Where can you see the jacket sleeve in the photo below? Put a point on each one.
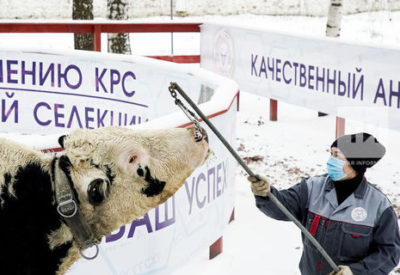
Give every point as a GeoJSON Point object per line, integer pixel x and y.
{"type": "Point", "coordinates": [295, 199]}
{"type": "Point", "coordinates": [385, 252]}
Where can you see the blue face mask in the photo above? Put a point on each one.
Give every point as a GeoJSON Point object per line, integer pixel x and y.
{"type": "Point", "coordinates": [335, 168]}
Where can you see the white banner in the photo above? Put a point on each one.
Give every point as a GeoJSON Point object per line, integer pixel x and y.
{"type": "Point", "coordinates": [348, 80]}
{"type": "Point", "coordinates": [54, 92]}
{"type": "Point", "coordinates": [51, 93]}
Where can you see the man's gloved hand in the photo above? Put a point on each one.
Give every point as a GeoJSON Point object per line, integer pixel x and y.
{"type": "Point", "coordinates": [259, 186]}
{"type": "Point", "coordinates": [343, 270]}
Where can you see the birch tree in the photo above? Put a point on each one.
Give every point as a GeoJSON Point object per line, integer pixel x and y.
{"type": "Point", "coordinates": [180, 8]}
{"type": "Point", "coordinates": [335, 15]}
{"type": "Point", "coordinates": [83, 9]}
{"type": "Point", "coordinates": [118, 42]}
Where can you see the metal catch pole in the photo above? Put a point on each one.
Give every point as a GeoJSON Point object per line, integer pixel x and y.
{"type": "Point", "coordinates": [175, 86]}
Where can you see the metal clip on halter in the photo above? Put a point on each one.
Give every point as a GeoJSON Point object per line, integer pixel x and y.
{"type": "Point", "coordinates": [190, 115]}
{"type": "Point", "coordinates": [88, 257]}
{"type": "Point", "coordinates": [67, 208]}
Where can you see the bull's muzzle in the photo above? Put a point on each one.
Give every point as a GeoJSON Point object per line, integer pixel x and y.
{"type": "Point", "coordinates": [200, 134]}
{"type": "Point", "coordinates": [204, 134]}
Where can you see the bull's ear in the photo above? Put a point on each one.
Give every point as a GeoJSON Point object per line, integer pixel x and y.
{"type": "Point", "coordinates": [61, 140]}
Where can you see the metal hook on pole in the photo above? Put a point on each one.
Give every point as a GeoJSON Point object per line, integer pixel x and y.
{"type": "Point", "coordinates": [175, 87]}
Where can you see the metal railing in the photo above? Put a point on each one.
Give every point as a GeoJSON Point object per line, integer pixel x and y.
{"type": "Point", "coordinates": [97, 28]}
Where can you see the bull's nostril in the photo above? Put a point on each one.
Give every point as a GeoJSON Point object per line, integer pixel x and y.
{"type": "Point", "coordinates": [198, 137]}
{"type": "Point", "coordinates": [204, 133]}
{"type": "Point", "coordinates": [199, 134]}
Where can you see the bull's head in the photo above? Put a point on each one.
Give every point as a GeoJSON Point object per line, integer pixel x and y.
{"type": "Point", "coordinates": [120, 174]}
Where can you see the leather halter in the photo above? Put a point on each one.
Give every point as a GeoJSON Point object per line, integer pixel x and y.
{"type": "Point", "coordinates": [68, 206]}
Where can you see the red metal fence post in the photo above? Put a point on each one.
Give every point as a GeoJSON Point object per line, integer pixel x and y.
{"type": "Point", "coordinates": [216, 248]}
{"type": "Point", "coordinates": [97, 38]}
{"type": "Point", "coordinates": [273, 110]}
{"type": "Point", "coordinates": [340, 126]}
{"type": "Point", "coordinates": [232, 218]}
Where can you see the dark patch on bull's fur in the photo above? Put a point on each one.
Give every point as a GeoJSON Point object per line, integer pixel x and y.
{"type": "Point", "coordinates": [4, 190]}
{"type": "Point", "coordinates": [106, 169]}
{"type": "Point", "coordinates": [7, 181]}
{"type": "Point", "coordinates": [52, 169]}
{"type": "Point", "coordinates": [154, 187]}
{"type": "Point", "coordinates": [26, 220]}
{"type": "Point", "coordinates": [109, 174]}
{"type": "Point", "coordinates": [7, 178]}
{"type": "Point", "coordinates": [61, 140]}
{"type": "Point", "coordinates": [140, 171]}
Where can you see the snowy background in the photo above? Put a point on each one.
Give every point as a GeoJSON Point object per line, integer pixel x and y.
{"type": "Point", "coordinates": [285, 151]}
{"type": "Point", "coordinates": [50, 9]}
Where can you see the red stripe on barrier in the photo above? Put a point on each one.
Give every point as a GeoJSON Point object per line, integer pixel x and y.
{"type": "Point", "coordinates": [178, 58]}
{"type": "Point", "coordinates": [89, 27]}
{"type": "Point", "coordinates": [52, 150]}
{"type": "Point", "coordinates": [151, 27]}
{"type": "Point", "coordinates": [215, 114]}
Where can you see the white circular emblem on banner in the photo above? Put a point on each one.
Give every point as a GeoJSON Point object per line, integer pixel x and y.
{"type": "Point", "coordinates": [224, 53]}
{"type": "Point", "coordinates": [359, 214]}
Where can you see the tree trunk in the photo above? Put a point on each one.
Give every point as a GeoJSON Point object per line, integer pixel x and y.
{"type": "Point", "coordinates": [334, 18]}
{"type": "Point", "coordinates": [335, 15]}
{"type": "Point", "coordinates": [118, 42]}
{"type": "Point", "coordinates": [83, 9]}
{"type": "Point", "coordinates": [180, 8]}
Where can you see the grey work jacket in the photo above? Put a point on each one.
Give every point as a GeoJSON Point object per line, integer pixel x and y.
{"type": "Point", "coordinates": [362, 232]}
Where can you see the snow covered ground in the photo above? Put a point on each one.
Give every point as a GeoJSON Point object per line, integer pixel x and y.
{"type": "Point", "coordinates": [294, 147]}
{"type": "Point", "coordinates": [285, 151]}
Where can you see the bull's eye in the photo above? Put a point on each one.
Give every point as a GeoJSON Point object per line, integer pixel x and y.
{"type": "Point", "coordinates": [98, 191]}
{"type": "Point", "coordinates": [132, 159]}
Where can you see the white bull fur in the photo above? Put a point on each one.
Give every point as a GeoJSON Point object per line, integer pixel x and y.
{"type": "Point", "coordinates": [135, 172]}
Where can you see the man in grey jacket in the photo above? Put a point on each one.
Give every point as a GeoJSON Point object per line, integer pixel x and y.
{"type": "Point", "coordinates": [352, 220]}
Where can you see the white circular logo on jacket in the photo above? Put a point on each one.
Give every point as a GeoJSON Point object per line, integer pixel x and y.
{"type": "Point", "coordinates": [359, 214]}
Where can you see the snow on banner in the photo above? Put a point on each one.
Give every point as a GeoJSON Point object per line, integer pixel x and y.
{"type": "Point", "coordinates": [347, 80]}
